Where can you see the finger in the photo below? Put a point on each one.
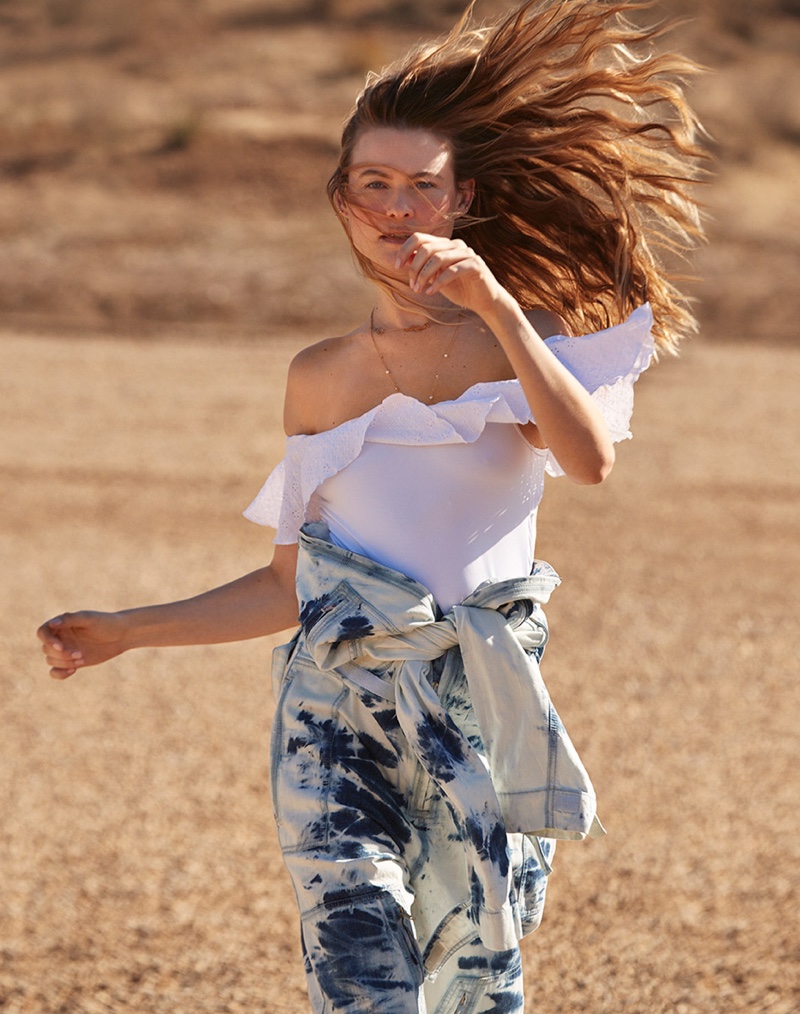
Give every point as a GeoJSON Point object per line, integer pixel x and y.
{"type": "Point", "coordinates": [47, 631]}
{"type": "Point", "coordinates": [415, 244]}
{"type": "Point", "coordinates": [55, 649]}
{"type": "Point", "coordinates": [64, 659]}
{"type": "Point", "coordinates": [61, 674]}
{"type": "Point", "coordinates": [428, 259]}
{"type": "Point", "coordinates": [448, 275]}
{"type": "Point", "coordinates": [443, 269]}
{"type": "Point", "coordinates": [430, 266]}
{"type": "Point", "coordinates": [428, 248]}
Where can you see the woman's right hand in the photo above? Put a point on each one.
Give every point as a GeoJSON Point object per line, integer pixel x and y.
{"type": "Point", "coordinates": [73, 641]}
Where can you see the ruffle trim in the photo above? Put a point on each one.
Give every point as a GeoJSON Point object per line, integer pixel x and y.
{"type": "Point", "coordinates": [606, 362]}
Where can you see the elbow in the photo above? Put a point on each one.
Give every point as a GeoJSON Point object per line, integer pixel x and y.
{"type": "Point", "coordinates": [596, 468]}
{"type": "Point", "coordinates": [604, 469]}
{"type": "Point", "coordinates": [608, 457]}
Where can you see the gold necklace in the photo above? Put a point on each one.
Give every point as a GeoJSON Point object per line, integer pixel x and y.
{"type": "Point", "coordinates": [419, 327]}
{"type": "Point", "coordinates": [411, 327]}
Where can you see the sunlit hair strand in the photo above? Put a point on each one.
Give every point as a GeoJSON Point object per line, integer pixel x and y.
{"type": "Point", "coordinates": [584, 152]}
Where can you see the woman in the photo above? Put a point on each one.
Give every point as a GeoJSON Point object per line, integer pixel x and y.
{"type": "Point", "coordinates": [500, 187]}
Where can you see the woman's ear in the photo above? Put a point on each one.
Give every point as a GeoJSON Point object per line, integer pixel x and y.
{"type": "Point", "coordinates": [466, 195]}
{"type": "Point", "coordinates": [340, 204]}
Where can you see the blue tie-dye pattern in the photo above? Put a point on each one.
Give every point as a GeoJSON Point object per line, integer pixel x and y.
{"type": "Point", "coordinates": [311, 612]}
{"type": "Point", "coordinates": [352, 628]}
{"type": "Point", "coordinates": [475, 961]}
{"type": "Point", "coordinates": [376, 825]}
{"type": "Point", "coordinates": [478, 897]}
{"type": "Point", "coordinates": [504, 1003]}
{"type": "Point", "coordinates": [538, 777]}
{"type": "Point", "coordinates": [365, 815]}
{"type": "Point", "coordinates": [490, 843]}
{"type": "Point", "coordinates": [440, 748]}
{"type": "Point", "coordinates": [384, 756]}
{"type": "Point", "coordinates": [352, 977]}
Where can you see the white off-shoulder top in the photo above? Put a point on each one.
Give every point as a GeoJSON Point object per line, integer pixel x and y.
{"type": "Point", "coordinates": [447, 493]}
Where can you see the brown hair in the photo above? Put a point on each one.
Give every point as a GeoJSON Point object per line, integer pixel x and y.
{"type": "Point", "coordinates": [582, 147]}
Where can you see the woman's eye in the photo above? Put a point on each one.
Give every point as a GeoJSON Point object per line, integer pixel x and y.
{"type": "Point", "coordinates": [425, 185]}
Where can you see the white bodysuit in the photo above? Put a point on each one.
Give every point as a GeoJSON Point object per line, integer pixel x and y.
{"type": "Point", "coordinates": [446, 493]}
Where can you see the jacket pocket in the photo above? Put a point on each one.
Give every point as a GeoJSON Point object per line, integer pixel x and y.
{"type": "Point", "coordinates": [341, 616]}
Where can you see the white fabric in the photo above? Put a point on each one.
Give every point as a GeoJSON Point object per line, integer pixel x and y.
{"type": "Point", "coordinates": [449, 515]}
{"type": "Point", "coordinates": [606, 362]}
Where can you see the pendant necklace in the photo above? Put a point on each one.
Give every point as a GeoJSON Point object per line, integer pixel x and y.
{"type": "Point", "coordinates": [417, 327]}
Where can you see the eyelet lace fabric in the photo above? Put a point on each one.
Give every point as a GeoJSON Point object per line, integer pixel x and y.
{"type": "Point", "coordinates": [606, 362]}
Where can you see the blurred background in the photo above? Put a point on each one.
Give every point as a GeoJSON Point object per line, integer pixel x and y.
{"type": "Point", "coordinates": [163, 162]}
{"type": "Point", "coordinates": [165, 247]}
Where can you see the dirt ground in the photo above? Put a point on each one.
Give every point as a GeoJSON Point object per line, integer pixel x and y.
{"type": "Point", "coordinates": [161, 180]}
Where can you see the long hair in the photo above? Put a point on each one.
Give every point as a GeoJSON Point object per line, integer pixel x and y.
{"type": "Point", "coordinates": [583, 150]}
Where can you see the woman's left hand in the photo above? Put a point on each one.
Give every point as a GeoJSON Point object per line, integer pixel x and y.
{"type": "Point", "coordinates": [438, 264]}
{"type": "Point", "coordinates": [567, 420]}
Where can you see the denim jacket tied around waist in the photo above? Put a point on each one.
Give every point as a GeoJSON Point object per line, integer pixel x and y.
{"type": "Point", "coordinates": [357, 615]}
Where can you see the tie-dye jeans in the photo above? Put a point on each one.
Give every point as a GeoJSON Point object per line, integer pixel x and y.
{"type": "Point", "coordinates": [373, 844]}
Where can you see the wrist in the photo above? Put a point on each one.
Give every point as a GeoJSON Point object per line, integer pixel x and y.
{"type": "Point", "coordinates": [502, 312]}
{"type": "Point", "coordinates": [133, 629]}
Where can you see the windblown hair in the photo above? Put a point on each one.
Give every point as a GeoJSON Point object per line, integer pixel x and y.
{"type": "Point", "coordinates": [583, 150]}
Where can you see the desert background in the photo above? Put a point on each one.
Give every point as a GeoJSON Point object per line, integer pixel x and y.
{"type": "Point", "coordinates": [165, 247]}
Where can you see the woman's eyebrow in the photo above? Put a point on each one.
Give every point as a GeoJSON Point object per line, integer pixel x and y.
{"type": "Point", "coordinates": [384, 172]}
{"type": "Point", "coordinates": [367, 171]}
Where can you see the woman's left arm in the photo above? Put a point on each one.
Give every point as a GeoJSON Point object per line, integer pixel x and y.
{"type": "Point", "coordinates": [567, 420]}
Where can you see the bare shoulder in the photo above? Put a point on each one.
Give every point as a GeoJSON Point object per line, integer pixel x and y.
{"type": "Point", "coordinates": [547, 323]}
{"type": "Point", "coordinates": [314, 377]}
{"type": "Point", "coordinates": [314, 361]}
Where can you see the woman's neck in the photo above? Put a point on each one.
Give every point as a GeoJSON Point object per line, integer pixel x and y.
{"type": "Point", "coordinates": [399, 314]}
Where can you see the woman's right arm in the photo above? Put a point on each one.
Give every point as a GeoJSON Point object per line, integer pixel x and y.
{"type": "Point", "coordinates": [261, 603]}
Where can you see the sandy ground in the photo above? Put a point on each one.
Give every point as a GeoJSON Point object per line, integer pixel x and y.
{"type": "Point", "coordinates": [165, 245]}
{"type": "Point", "coordinates": [140, 869]}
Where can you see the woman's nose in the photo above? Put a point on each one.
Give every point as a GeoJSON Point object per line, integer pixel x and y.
{"type": "Point", "coordinates": [399, 205]}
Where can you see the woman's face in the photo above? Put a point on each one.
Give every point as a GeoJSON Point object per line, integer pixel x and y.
{"type": "Point", "coordinates": [400, 181]}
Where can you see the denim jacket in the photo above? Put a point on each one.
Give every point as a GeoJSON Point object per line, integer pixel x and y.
{"type": "Point", "coordinates": [380, 630]}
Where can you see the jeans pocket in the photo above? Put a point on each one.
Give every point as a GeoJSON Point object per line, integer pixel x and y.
{"type": "Point", "coordinates": [304, 730]}
{"type": "Point", "coordinates": [363, 955]}
{"type": "Point", "coordinates": [466, 992]}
